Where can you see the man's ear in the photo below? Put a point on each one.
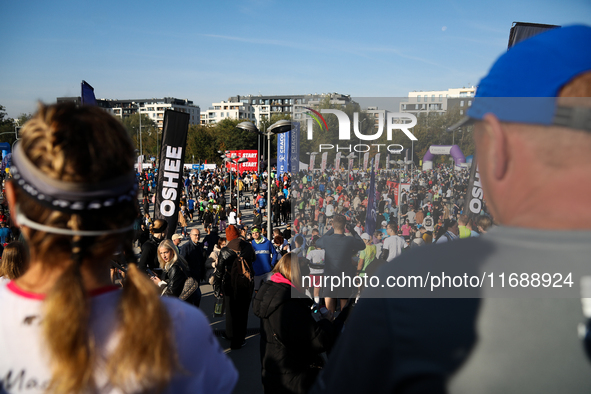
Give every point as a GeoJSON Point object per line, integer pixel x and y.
{"type": "Point", "coordinates": [11, 197]}
{"type": "Point", "coordinates": [498, 154]}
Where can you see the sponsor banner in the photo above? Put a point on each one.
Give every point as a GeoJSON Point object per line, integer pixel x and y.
{"type": "Point", "coordinates": [250, 165]}
{"type": "Point", "coordinates": [282, 153]}
{"type": "Point", "coordinates": [294, 148]}
{"type": "Point", "coordinates": [377, 162]}
{"type": "Point", "coordinates": [170, 174]}
{"type": "Point", "coordinates": [323, 162]}
{"type": "Point", "coordinates": [474, 193]}
{"type": "Point", "coordinates": [337, 161]}
{"type": "Point", "coordinates": [312, 157]}
{"type": "Point", "coordinates": [365, 161]}
{"type": "Point", "coordinates": [387, 162]}
{"type": "Point", "coordinates": [350, 164]}
{"type": "Point", "coordinates": [440, 150]}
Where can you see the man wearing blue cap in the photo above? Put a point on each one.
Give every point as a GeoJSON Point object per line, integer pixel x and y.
{"type": "Point", "coordinates": [532, 131]}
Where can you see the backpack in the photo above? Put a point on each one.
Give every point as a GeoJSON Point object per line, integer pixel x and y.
{"type": "Point", "coordinates": [241, 274]}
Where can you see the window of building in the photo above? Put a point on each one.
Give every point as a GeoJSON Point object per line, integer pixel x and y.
{"type": "Point", "coordinates": [461, 112]}
{"type": "Point", "coordinates": [463, 94]}
{"type": "Point", "coordinates": [418, 98]}
{"type": "Point", "coordinates": [440, 97]}
{"type": "Point", "coordinates": [469, 103]}
{"type": "Point", "coordinates": [432, 97]}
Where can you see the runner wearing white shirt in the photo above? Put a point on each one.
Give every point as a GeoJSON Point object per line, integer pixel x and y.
{"type": "Point", "coordinates": [393, 245]}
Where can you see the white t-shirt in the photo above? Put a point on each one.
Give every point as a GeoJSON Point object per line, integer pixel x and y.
{"type": "Point", "coordinates": [232, 218]}
{"type": "Point", "coordinates": [316, 257]}
{"type": "Point", "coordinates": [329, 210]}
{"type": "Point", "coordinates": [25, 367]}
{"type": "Point", "coordinates": [394, 245]}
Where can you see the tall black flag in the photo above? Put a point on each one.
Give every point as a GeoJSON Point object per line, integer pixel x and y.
{"type": "Point", "coordinates": [170, 168]}
{"type": "Point", "coordinates": [87, 94]}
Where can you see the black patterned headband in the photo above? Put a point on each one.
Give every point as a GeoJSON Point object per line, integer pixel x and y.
{"type": "Point", "coordinates": [69, 197]}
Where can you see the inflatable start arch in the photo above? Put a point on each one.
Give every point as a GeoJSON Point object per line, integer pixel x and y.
{"type": "Point", "coordinates": [452, 150]}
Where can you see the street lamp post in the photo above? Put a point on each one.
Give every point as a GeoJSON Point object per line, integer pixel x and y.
{"type": "Point", "coordinates": [238, 162]}
{"type": "Point", "coordinates": [282, 126]}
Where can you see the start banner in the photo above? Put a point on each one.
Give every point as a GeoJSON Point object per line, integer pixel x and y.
{"type": "Point", "coordinates": [250, 165]}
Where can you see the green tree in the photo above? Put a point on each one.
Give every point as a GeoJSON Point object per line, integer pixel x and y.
{"type": "Point", "coordinates": [321, 136]}
{"type": "Point", "coordinates": [150, 135]}
{"type": "Point", "coordinates": [7, 127]}
{"type": "Point", "coordinates": [432, 130]}
{"type": "Point", "coordinates": [202, 143]}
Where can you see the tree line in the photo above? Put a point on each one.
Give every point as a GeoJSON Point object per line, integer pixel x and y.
{"type": "Point", "coordinates": [204, 142]}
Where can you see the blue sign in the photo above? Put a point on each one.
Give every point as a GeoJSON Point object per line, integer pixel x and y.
{"type": "Point", "coordinates": [294, 148]}
{"type": "Point", "coordinates": [282, 153]}
{"type": "Point", "coordinates": [198, 167]}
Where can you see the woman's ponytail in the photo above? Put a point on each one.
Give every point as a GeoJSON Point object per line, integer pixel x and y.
{"type": "Point", "coordinates": [65, 327]}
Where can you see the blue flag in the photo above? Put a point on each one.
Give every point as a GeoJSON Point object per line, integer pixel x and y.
{"type": "Point", "coordinates": [87, 96]}
{"type": "Point", "coordinates": [372, 204]}
{"type": "Point", "coordinates": [294, 148]}
{"type": "Point", "coordinates": [282, 153]}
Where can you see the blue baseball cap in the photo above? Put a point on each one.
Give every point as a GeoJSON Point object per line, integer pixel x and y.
{"type": "Point", "coordinates": [523, 83]}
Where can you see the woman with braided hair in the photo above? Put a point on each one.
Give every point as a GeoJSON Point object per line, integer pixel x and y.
{"type": "Point", "coordinates": [66, 330]}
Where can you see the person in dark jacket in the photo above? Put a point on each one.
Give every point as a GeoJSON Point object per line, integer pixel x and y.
{"type": "Point", "coordinates": [291, 339]}
{"type": "Point", "coordinates": [257, 221]}
{"type": "Point", "coordinates": [211, 239]}
{"type": "Point", "coordinates": [193, 253]}
{"type": "Point", "coordinates": [339, 250]}
{"type": "Point", "coordinates": [149, 257]}
{"type": "Point", "coordinates": [236, 289]}
{"type": "Point", "coordinates": [175, 273]}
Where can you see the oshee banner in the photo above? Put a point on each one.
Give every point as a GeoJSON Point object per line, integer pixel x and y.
{"type": "Point", "coordinates": [250, 165]}
{"type": "Point", "coordinates": [170, 174]}
{"type": "Point", "coordinates": [474, 193]}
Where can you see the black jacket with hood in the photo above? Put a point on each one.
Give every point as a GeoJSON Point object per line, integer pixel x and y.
{"type": "Point", "coordinates": [291, 339]}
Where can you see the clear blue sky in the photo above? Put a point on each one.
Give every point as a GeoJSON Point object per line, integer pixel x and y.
{"type": "Point", "coordinates": [209, 51]}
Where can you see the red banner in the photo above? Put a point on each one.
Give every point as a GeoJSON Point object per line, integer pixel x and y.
{"type": "Point", "coordinates": [393, 188]}
{"type": "Point", "coordinates": [250, 165]}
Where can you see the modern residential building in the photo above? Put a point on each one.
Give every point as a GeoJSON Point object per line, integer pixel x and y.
{"type": "Point", "coordinates": [258, 107]}
{"type": "Point", "coordinates": [438, 101]}
{"type": "Point", "coordinates": [227, 110]}
{"type": "Point", "coordinates": [153, 108]}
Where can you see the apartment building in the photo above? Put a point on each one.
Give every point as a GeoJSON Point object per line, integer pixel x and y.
{"type": "Point", "coordinates": [438, 101]}
{"type": "Point", "coordinates": [153, 108]}
{"type": "Point", "coordinates": [258, 107]}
